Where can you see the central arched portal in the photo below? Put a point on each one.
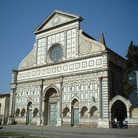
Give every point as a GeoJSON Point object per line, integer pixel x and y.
{"type": "Point", "coordinates": [51, 105]}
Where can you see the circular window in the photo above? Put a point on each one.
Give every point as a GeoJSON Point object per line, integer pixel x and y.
{"type": "Point", "coordinates": [56, 53]}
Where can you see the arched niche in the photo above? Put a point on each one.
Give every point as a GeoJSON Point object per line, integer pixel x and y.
{"type": "Point", "coordinates": [23, 112]}
{"type": "Point", "coordinates": [94, 113]}
{"type": "Point", "coordinates": [66, 112]}
{"type": "Point", "coordinates": [84, 112]}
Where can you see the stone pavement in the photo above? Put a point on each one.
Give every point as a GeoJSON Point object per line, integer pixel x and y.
{"type": "Point", "coordinates": [74, 130]}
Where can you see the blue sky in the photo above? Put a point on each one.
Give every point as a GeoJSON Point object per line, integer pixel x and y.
{"type": "Point", "coordinates": [118, 19]}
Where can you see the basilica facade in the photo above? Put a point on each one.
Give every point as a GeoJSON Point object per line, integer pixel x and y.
{"type": "Point", "coordinates": [68, 79]}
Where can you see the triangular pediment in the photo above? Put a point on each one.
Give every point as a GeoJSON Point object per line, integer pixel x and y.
{"type": "Point", "coordinates": [55, 19]}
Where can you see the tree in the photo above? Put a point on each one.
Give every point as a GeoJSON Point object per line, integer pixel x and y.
{"type": "Point", "coordinates": [131, 64]}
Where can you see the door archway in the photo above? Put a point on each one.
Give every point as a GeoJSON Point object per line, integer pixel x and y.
{"type": "Point", "coordinates": [75, 112]}
{"type": "Point", "coordinates": [50, 107]}
{"type": "Point", "coordinates": [118, 111]}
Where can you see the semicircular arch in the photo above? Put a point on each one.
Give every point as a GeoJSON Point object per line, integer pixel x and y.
{"type": "Point", "coordinates": [49, 87]}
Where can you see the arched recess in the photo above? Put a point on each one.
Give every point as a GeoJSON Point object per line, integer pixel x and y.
{"type": "Point", "coordinates": [51, 100]}
{"type": "Point", "coordinates": [17, 112]}
{"type": "Point", "coordinates": [75, 112]}
{"type": "Point", "coordinates": [66, 112]}
{"type": "Point", "coordinates": [94, 113]}
{"type": "Point", "coordinates": [75, 86]}
{"type": "Point", "coordinates": [133, 112]}
{"type": "Point", "coordinates": [35, 112]}
{"type": "Point", "coordinates": [84, 86]}
{"type": "Point", "coordinates": [29, 113]}
{"type": "Point", "coordinates": [66, 87]}
{"type": "Point", "coordinates": [93, 85]}
{"type": "Point", "coordinates": [118, 111]}
{"type": "Point", "coordinates": [121, 98]}
{"type": "Point", "coordinates": [84, 112]}
{"type": "Point", "coordinates": [125, 106]}
{"type": "Point", "coordinates": [23, 112]}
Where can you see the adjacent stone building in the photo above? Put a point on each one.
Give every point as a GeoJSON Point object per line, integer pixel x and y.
{"type": "Point", "coordinates": [68, 79]}
{"type": "Point", "coordinates": [4, 108]}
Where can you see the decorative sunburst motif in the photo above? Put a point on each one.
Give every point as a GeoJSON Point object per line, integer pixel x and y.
{"type": "Point", "coordinates": [55, 20]}
{"type": "Point", "coordinates": [85, 48]}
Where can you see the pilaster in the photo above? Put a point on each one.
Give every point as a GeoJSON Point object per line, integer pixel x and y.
{"type": "Point", "coordinates": [103, 120]}
{"type": "Point", "coordinates": [39, 122]}
{"type": "Point", "coordinates": [105, 87]}
{"type": "Point", "coordinates": [100, 99]}
{"type": "Point", "coordinates": [43, 110]}
{"type": "Point", "coordinates": [12, 97]}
